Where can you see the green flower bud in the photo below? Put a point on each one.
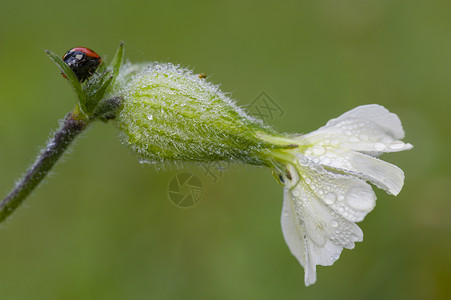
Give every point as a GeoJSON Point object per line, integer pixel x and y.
{"type": "Point", "coordinates": [171, 114]}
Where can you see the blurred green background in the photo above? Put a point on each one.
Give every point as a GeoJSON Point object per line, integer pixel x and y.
{"type": "Point", "coordinates": [102, 226]}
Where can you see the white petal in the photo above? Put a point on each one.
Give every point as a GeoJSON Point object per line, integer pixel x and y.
{"type": "Point", "coordinates": [370, 128]}
{"type": "Point", "coordinates": [325, 189]}
{"type": "Point", "coordinates": [346, 195]}
{"type": "Point", "coordinates": [382, 174]}
{"type": "Point", "coordinates": [294, 234]}
{"type": "Point", "coordinates": [314, 232]}
{"type": "Point", "coordinates": [376, 114]}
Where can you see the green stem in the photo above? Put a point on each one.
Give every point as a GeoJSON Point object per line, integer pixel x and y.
{"type": "Point", "coordinates": [72, 125]}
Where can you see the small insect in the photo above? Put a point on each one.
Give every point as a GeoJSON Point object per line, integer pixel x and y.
{"type": "Point", "coordinates": [83, 61]}
{"type": "Point", "coordinates": [202, 76]}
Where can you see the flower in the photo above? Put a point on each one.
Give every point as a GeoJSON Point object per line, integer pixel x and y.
{"type": "Point", "coordinates": [325, 187]}
{"type": "Point", "coordinates": [170, 114]}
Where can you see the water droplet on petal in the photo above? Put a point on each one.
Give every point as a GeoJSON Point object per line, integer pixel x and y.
{"type": "Point", "coordinates": [379, 147]}
{"type": "Point", "coordinates": [397, 145]}
{"type": "Point", "coordinates": [318, 150]}
{"type": "Point", "coordinates": [325, 161]}
{"type": "Point", "coordinates": [334, 223]}
{"type": "Point", "coordinates": [329, 198]}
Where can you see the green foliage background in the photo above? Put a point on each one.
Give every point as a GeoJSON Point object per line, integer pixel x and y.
{"type": "Point", "coordinates": [102, 227]}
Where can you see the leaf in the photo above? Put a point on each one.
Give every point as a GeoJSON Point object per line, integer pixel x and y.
{"type": "Point", "coordinates": [103, 88]}
{"type": "Point", "coordinates": [70, 76]}
{"type": "Point", "coordinates": [117, 60]}
{"type": "Point", "coordinates": [97, 88]}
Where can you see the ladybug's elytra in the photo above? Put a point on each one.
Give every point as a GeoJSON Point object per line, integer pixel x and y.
{"type": "Point", "coordinates": [83, 61]}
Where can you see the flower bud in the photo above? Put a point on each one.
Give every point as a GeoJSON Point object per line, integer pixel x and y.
{"type": "Point", "coordinates": [170, 114]}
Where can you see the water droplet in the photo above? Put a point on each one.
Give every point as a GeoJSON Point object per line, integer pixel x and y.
{"type": "Point", "coordinates": [318, 150]}
{"type": "Point", "coordinates": [334, 223]}
{"type": "Point", "coordinates": [325, 161]}
{"type": "Point", "coordinates": [329, 198]}
{"type": "Point", "coordinates": [397, 145]}
{"type": "Point", "coordinates": [150, 117]}
{"type": "Point", "coordinates": [379, 146]}
{"type": "Point", "coordinates": [331, 154]}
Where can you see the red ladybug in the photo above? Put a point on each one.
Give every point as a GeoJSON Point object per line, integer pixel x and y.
{"type": "Point", "coordinates": [83, 61]}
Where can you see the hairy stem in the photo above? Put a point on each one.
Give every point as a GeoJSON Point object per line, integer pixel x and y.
{"type": "Point", "coordinates": [71, 126]}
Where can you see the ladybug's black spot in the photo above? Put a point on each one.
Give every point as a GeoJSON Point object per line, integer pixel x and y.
{"type": "Point", "coordinates": [81, 63]}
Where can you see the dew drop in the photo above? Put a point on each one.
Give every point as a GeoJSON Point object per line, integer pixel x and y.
{"type": "Point", "coordinates": [397, 145]}
{"type": "Point", "coordinates": [334, 223]}
{"type": "Point", "coordinates": [325, 161]}
{"type": "Point", "coordinates": [150, 117]}
{"type": "Point", "coordinates": [329, 198]}
{"type": "Point", "coordinates": [379, 146]}
{"type": "Point", "coordinates": [334, 257]}
{"type": "Point", "coordinates": [331, 154]}
{"type": "Point", "coordinates": [318, 150]}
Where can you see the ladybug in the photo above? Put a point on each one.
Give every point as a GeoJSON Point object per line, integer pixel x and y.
{"type": "Point", "coordinates": [83, 61]}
